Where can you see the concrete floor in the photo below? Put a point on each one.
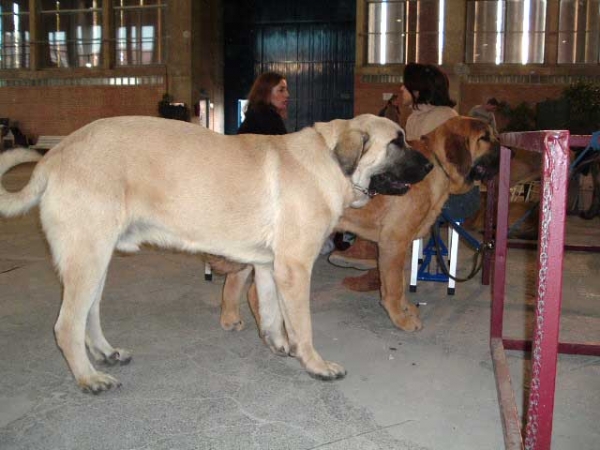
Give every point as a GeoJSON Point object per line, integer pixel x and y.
{"type": "Point", "coordinates": [192, 385]}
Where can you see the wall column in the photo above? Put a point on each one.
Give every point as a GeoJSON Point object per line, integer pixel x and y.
{"type": "Point", "coordinates": [108, 36]}
{"type": "Point", "coordinates": [34, 35]}
{"type": "Point", "coordinates": [179, 50]}
{"type": "Point", "coordinates": [551, 38]}
{"type": "Point", "coordinates": [454, 45]}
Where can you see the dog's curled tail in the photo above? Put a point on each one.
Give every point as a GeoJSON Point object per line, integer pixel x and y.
{"type": "Point", "coordinates": [15, 203]}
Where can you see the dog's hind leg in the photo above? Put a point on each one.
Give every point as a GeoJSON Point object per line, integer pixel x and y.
{"type": "Point", "coordinates": [271, 321]}
{"type": "Point", "coordinates": [233, 290]}
{"type": "Point", "coordinates": [97, 344]}
{"type": "Point", "coordinates": [82, 265]}
{"type": "Point", "coordinates": [293, 284]}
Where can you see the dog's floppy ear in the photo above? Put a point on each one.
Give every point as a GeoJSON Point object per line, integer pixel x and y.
{"type": "Point", "coordinates": [349, 149]}
{"type": "Point", "coordinates": [457, 153]}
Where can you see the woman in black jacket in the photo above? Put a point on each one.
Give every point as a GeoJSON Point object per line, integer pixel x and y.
{"type": "Point", "coordinates": [266, 110]}
{"type": "Point", "coordinates": [267, 105]}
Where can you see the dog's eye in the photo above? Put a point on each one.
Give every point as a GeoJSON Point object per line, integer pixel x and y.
{"type": "Point", "coordinates": [400, 140]}
{"type": "Point", "coordinates": [486, 137]}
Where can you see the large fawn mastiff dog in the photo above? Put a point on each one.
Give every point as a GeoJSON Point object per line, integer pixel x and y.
{"type": "Point", "coordinates": [268, 201]}
{"type": "Point", "coordinates": [462, 150]}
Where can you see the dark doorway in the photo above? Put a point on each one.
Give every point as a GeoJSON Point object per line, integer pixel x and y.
{"type": "Point", "coordinates": [311, 42]}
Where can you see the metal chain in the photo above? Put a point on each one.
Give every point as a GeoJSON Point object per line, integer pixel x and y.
{"type": "Point", "coordinates": [536, 363]}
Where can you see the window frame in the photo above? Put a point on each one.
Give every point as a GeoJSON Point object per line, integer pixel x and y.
{"type": "Point", "coordinates": [415, 27]}
{"type": "Point", "coordinates": [134, 48]}
{"type": "Point", "coordinates": [580, 51]}
{"type": "Point", "coordinates": [502, 35]}
{"type": "Point", "coordinates": [100, 48]}
{"type": "Point", "coordinates": [20, 57]}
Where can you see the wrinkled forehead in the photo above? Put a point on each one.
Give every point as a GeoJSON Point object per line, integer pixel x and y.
{"type": "Point", "coordinates": [486, 135]}
{"type": "Point", "coordinates": [482, 136]}
{"type": "Point", "coordinates": [480, 128]}
{"type": "Point", "coordinates": [400, 139]}
{"type": "Point", "coordinates": [386, 132]}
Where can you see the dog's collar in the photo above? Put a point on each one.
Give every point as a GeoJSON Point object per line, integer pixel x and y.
{"type": "Point", "coordinates": [439, 163]}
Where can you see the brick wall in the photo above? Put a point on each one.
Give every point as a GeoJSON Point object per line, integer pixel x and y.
{"type": "Point", "coordinates": [513, 94]}
{"type": "Point", "coordinates": [61, 110]}
{"type": "Point", "coordinates": [368, 97]}
{"type": "Point", "coordinates": [193, 64]}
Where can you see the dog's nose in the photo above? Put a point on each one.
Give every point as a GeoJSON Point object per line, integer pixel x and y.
{"type": "Point", "coordinates": [428, 167]}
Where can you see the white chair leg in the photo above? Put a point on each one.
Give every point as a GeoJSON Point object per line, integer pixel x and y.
{"type": "Point", "coordinates": [453, 241]}
{"type": "Point", "coordinates": [417, 249]}
{"type": "Point", "coordinates": [207, 272]}
{"type": "Point", "coordinates": [450, 239]}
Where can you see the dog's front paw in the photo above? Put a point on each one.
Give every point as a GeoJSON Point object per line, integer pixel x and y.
{"type": "Point", "coordinates": [327, 371]}
{"type": "Point", "coordinates": [277, 342]}
{"type": "Point", "coordinates": [97, 383]}
{"type": "Point", "coordinates": [232, 322]}
{"type": "Point", "coordinates": [408, 323]}
{"type": "Point", "coordinates": [119, 356]}
{"type": "Point", "coordinates": [407, 318]}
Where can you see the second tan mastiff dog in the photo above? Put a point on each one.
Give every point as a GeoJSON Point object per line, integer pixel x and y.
{"type": "Point", "coordinates": [268, 201]}
{"type": "Point", "coordinates": [463, 150]}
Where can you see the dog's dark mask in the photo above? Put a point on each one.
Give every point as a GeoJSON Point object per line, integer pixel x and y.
{"type": "Point", "coordinates": [407, 166]}
{"type": "Point", "coordinates": [486, 167]}
{"type": "Point", "coordinates": [386, 184]}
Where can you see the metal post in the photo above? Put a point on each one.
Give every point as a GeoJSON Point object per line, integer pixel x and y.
{"type": "Point", "coordinates": [538, 432]}
{"type": "Point", "coordinates": [554, 146]}
{"type": "Point", "coordinates": [499, 281]}
{"type": "Point", "coordinates": [488, 230]}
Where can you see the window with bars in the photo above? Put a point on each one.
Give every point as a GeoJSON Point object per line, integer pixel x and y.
{"type": "Point", "coordinates": [505, 31]}
{"type": "Point", "coordinates": [14, 34]}
{"type": "Point", "coordinates": [401, 31]}
{"type": "Point", "coordinates": [71, 32]}
{"type": "Point", "coordinates": [579, 32]}
{"type": "Point", "coordinates": [139, 26]}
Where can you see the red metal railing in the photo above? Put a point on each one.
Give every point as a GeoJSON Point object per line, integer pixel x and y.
{"type": "Point", "coordinates": [554, 146]}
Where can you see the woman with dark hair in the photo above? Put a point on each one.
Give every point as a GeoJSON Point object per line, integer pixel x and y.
{"type": "Point", "coordinates": [427, 85]}
{"type": "Point", "coordinates": [426, 90]}
{"type": "Point", "coordinates": [267, 105]}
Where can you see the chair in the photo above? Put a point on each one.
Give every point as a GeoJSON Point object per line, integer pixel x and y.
{"type": "Point", "coordinates": [45, 143]}
{"type": "Point", "coordinates": [421, 269]}
{"type": "Point", "coordinates": [456, 208]}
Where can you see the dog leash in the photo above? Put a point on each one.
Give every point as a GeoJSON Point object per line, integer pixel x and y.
{"type": "Point", "coordinates": [441, 166]}
{"type": "Point", "coordinates": [480, 248]}
{"type": "Point", "coordinates": [478, 256]}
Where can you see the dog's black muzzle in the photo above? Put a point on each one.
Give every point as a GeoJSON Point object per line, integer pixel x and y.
{"type": "Point", "coordinates": [387, 184]}
{"type": "Point", "coordinates": [410, 168]}
{"type": "Point", "coordinates": [486, 167]}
